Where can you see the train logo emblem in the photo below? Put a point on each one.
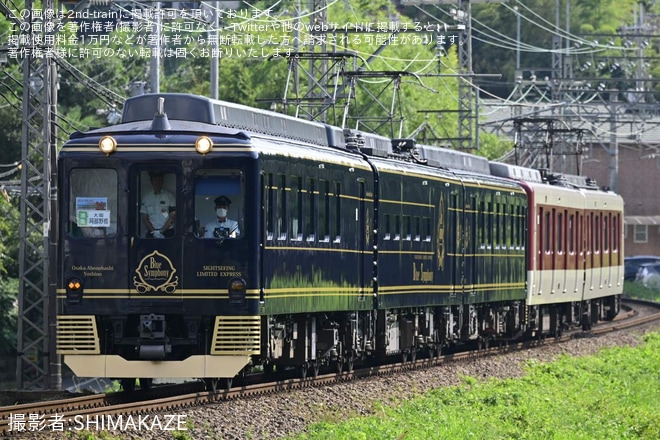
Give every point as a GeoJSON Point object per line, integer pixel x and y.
{"type": "Point", "coordinates": [155, 272]}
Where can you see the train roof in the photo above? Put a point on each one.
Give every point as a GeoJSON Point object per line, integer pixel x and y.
{"type": "Point", "coordinates": [135, 127]}
{"type": "Point", "coordinates": [203, 110]}
{"type": "Point", "coordinates": [195, 113]}
{"type": "Point", "coordinates": [199, 109]}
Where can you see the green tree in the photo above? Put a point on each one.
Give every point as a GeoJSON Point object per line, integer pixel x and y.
{"type": "Point", "coordinates": [11, 117]}
{"type": "Point", "coordinates": [8, 273]}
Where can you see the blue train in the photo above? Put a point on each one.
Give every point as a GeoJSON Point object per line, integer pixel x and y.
{"type": "Point", "coordinates": [201, 238]}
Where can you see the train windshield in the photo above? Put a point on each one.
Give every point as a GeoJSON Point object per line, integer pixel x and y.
{"type": "Point", "coordinates": [219, 204]}
{"type": "Point", "coordinates": [93, 202]}
{"type": "Point", "coordinates": [157, 204]}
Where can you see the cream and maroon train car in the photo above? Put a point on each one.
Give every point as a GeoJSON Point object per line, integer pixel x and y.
{"type": "Point", "coordinates": [575, 247]}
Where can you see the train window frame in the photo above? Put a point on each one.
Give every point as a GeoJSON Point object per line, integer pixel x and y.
{"type": "Point", "coordinates": [481, 224]}
{"type": "Point", "coordinates": [615, 233]}
{"type": "Point", "coordinates": [597, 222]}
{"type": "Point", "coordinates": [104, 204]}
{"type": "Point", "coordinates": [324, 211]}
{"type": "Point", "coordinates": [310, 221]}
{"type": "Point", "coordinates": [407, 228]}
{"type": "Point", "coordinates": [281, 223]}
{"type": "Point", "coordinates": [571, 233]}
{"type": "Point", "coordinates": [547, 235]}
{"type": "Point", "coordinates": [508, 234]}
{"type": "Point", "coordinates": [270, 207]}
{"type": "Point", "coordinates": [606, 232]}
{"type": "Point", "coordinates": [524, 211]}
{"type": "Point", "coordinates": [560, 233]}
{"type": "Point", "coordinates": [228, 182]}
{"type": "Point", "coordinates": [397, 227]}
{"type": "Point", "coordinates": [144, 186]}
{"type": "Point", "coordinates": [296, 196]}
{"type": "Point", "coordinates": [388, 227]}
{"type": "Point", "coordinates": [337, 223]}
{"type": "Point", "coordinates": [517, 230]}
{"type": "Point", "coordinates": [496, 226]}
{"type": "Point", "coordinates": [489, 225]}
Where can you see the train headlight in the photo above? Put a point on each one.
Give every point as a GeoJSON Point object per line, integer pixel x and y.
{"type": "Point", "coordinates": [108, 145]}
{"type": "Point", "coordinates": [237, 291]}
{"type": "Point", "coordinates": [203, 145]}
{"type": "Point", "coordinates": [74, 290]}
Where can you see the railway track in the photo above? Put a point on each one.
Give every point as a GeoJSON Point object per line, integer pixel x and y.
{"type": "Point", "coordinates": [172, 398]}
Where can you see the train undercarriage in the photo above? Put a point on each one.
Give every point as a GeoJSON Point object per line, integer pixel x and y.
{"type": "Point", "coordinates": [339, 341]}
{"type": "Point", "coordinates": [308, 344]}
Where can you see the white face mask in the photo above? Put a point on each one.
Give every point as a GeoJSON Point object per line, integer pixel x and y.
{"type": "Point", "coordinates": [222, 212]}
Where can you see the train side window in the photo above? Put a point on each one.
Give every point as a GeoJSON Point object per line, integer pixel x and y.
{"type": "Point", "coordinates": [310, 223]}
{"type": "Point", "coordinates": [523, 227]}
{"type": "Point", "coordinates": [517, 232]}
{"type": "Point", "coordinates": [397, 227]}
{"type": "Point", "coordinates": [615, 233]}
{"type": "Point", "coordinates": [481, 226]}
{"type": "Point", "coordinates": [388, 227]}
{"type": "Point", "coordinates": [324, 211]}
{"type": "Point", "coordinates": [337, 213]}
{"type": "Point", "coordinates": [281, 208]}
{"type": "Point", "coordinates": [498, 225]}
{"type": "Point", "coordinates": [427, 229]}
{"type": "Point", "coordinates": [513, 225]}
{"type": "Point", "coordinates": [489, 225]}
{"type": "Point", "coordinates": [296, 198]}
{"type": "Point", "coordinates": [407, 228]}
{"type": "Point", "coordinates": [560, 232]}
{"type": "Point", "coordinates": [515, 214]}
{"type": "Point", "coordinates": [588, 234]}
{"type": "Point", "coordinates": [418, 229]}
{"type": "Point", "coordinates": [270, 207]}
{"type": "Point", "coordinates": [219, 204]}
{"type": "Point", "coordinates": [93, 202]}
{"type": "Point", "coordinates": [507, 221]}
{"type": "Point", "coordinates": [606, 233]}
{"type": "Point", "coordinates": [546, 233]}
{"type": "Point", "coordinates": [597, 233]}
{"type": "Point", "coordinates": [571, 234]}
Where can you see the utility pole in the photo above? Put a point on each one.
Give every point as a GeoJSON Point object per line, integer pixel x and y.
{"type": "Point", "coordinates": [468, 137]}
{"type": "Point", "coordinates": [38, 365]}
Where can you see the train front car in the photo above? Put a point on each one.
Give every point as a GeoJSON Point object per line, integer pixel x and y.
{"type": "Point", "coordinates": [156, 245]}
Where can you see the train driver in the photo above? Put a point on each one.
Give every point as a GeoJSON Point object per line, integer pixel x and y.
{"type": "Point", "coordinates": [158, 208]}
{"type": "Point", "coordinates": [222, 227]}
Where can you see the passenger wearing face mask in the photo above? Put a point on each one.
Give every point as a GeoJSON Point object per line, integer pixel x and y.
{"type": "Point", "coordinates": [222, 227]}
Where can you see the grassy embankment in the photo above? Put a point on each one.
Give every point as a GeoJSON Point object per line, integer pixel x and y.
{"type": "Point", "coordinates": [612, 395]}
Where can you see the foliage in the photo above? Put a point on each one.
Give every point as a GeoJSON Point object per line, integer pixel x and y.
{"type": "Point", "coordinates": [9, 238]}
{"type": "Point", "coordinates": [11, 116]}
{"type": "Point", "coordinates": [9, 307]}
{"type": "Point", "coordinates": [493, 147]}
{"type": "Point", "coordinates": [637, 290]}
{"type": "Point", "coordinates": [9, 241]}
{"type": "Point", "coordinates": [602, 396]}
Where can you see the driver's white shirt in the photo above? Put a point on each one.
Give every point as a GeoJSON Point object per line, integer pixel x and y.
{"type": "Point", "coordinates": [231, 225]}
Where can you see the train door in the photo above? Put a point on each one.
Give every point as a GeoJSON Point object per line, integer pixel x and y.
{"type": "Point", "coordinates": [456, 205]}
{"type": "Point", "coordinates": [467, 243]}
{"type": "Point", "coordinates": [363, 237]}
{"type": "Point", "coordinates": [154, 234]}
